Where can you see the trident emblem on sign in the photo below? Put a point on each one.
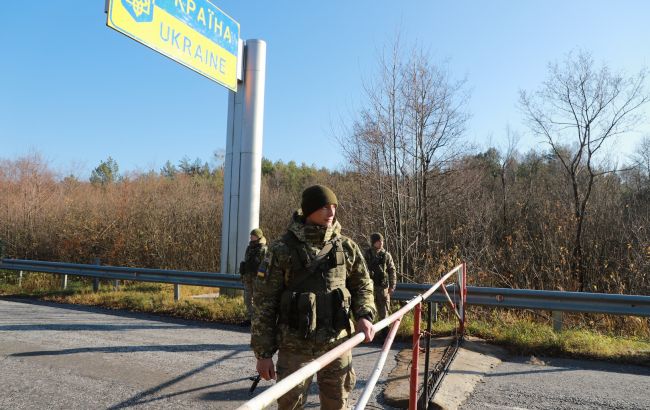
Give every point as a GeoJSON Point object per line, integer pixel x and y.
{"type": "Point", "coordinates": [140, 10]}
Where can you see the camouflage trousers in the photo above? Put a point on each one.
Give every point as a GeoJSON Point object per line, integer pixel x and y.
{"type": "Point", "coordinates": [382, 302]}
{"type": "Point", "coordinates": [247, 280]}
{"type": "Point", "coordinates": [335, 381]}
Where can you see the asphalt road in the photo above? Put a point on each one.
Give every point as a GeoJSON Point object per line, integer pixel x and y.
{"type": "Point", "coordinates": [69, 357]}
{"type": "Point", "coordinates": [562, 384]}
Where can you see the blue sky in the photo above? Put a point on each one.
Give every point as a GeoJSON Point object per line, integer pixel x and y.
{"type": "Point", "coordinates": [77, 92]}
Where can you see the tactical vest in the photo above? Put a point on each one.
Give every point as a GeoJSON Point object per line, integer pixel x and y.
{"type": "Point", "coordinates": [377, 266]}
{"type": "Point", "coordinates": [252, 259]}
{"type": "Point", "coordinates": [315, 303]}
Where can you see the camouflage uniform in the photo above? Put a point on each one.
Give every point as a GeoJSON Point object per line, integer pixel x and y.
{"type": "Point", "coordinates": [304, 305]}
{"type": "Point", "coordinates": [255, 253]}
{"type": "Point", "coordinates": [382, 271]}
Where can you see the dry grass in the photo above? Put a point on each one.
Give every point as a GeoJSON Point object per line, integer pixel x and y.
{"type": "Point", "coordinates": [523, 333]}
{"type": "Point", "coordinates": [137, 297]}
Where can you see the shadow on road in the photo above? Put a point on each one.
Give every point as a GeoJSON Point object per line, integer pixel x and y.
{"type": "Point", "coordinates": [230, 395]}
{"type": "Point", "coordinates": [147, 395]}
{"type": "Point", "coordinates": [193, 324]}
{"type": "Point", "coordinates": [133, 349]}
{"type": "Point", "coordinates": [206, 396]}
{"type": "Point", "coordinates": [83, 327]}
{"type": "Point", "coordinates": [556, 365]}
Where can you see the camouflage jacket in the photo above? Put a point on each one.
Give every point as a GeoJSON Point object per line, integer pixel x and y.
{"type": "Point", "coordinates": [255, 253]}
{"type": "Point", "coordinates": [267, 335]}
{"type": "Point", "coordinates": [381, 266]}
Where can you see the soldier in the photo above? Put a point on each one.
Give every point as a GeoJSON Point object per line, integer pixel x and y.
{"type": "Point", "coordinates": [382, 271]}
{"type": "Point", "coordinates": [255, 253]}
{"type": "Point", "coordinates": [310, 286]}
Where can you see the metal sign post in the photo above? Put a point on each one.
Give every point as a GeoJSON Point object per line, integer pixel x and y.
{"type": "Point", "coordinates": [243, 162]}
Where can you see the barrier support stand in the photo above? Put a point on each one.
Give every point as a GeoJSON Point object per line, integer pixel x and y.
{"type": "Point", "coordinates": [426, 357]}
{"type": "Point", "coordinates": [413, 393]}
{"type": "Point", "coordinates": [177, 293]}
{"type": "Point", "coordinates": [463, 297]}
{"type": "Point", "coordinates": [96, 280]}
{"type": "Point", "coordinates": [557, 320]}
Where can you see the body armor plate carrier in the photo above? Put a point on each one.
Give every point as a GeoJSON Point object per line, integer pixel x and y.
{"type": "Point", "coordinates": [316, 302]}
{"type": "Point", "coordinates": [377, 267]}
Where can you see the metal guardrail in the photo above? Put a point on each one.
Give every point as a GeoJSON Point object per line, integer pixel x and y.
{"type": "Point", "coordinates": [633, 305]}
{"type": "Point", "coordinates": [218, 280]}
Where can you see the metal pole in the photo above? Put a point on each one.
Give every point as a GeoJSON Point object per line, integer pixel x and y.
{"type": "Point", "coordinates": [231, 181]}
{"type": "Point", "coordinates": [96, 280]}
{"type": "Point", "coordinates": [463, 298]}
{"type": "Point", "coordinates": [454, 305]}
{"type": "Point", "coordinates": [372, 380]}
{"type": "Point", "coordinates": [250, 173]}
{"type": "Point", "coordinates": [557, 320]}
{"type": "Point", "coordinates": [177, 292]}
{"type": "Point", "coordinates": [243, 162]}
{"type": "Point", "coordinates": [413, 394]}
{"type": "Point", "coordinates": [64, 282]}
{"type": "Point", "coordinates": [426, 357]}
{"type": "Point", "coordinates": [20, 279]}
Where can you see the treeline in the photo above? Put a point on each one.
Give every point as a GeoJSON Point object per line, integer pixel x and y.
{"type": "Point", "coordinates": [146, 220]}
{"type": "Point", "coordinates": [511, 221]}
{"type": "Point", "coordinates": [169, 219]}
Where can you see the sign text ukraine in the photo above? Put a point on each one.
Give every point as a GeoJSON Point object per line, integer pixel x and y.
{"type": "Point", "coordinates": [193, 32]}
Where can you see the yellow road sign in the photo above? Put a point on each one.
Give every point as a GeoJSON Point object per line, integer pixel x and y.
{"type": "Point", "coordinates": [194, 33]}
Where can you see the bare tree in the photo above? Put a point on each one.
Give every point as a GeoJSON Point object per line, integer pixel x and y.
{"type": "Point", "coordinates": [642, 157]}
{"type": "Point", "coordinates": [434, 121]}
{"type": "Point", "coordinates": [506, 164]}
{"type": "Point", "coordinates": [403, 139]}
{"type": "Point", "coordinates": [583, 106]}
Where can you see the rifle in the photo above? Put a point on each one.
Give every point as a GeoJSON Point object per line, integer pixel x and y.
{"type": "Point", "coordinates": [255, 380]}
